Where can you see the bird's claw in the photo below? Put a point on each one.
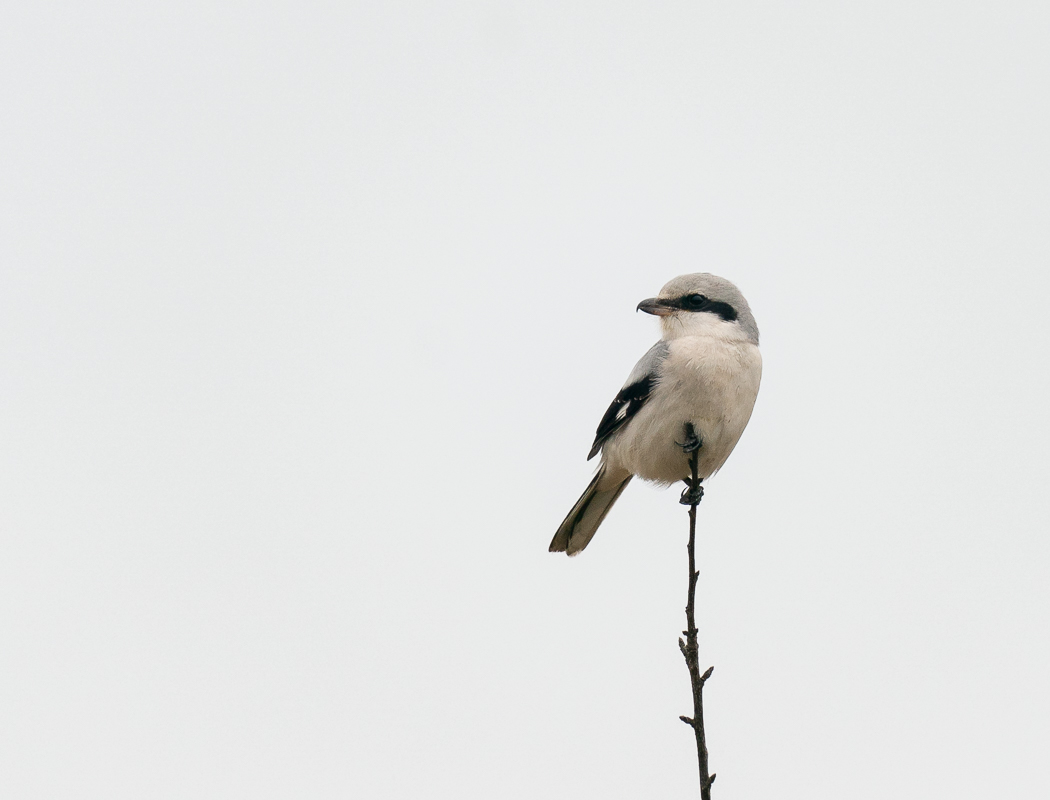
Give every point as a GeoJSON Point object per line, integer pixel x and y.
{"type": "Point", "coordinates": [692, 442]}
{"type": "Point", "coordinates": [692, 496]}
{"type": "Point", "coordinates": [691, 445]}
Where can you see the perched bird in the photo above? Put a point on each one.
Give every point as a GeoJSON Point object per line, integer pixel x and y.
{"type": "Point", "coordinates": [695, 388]}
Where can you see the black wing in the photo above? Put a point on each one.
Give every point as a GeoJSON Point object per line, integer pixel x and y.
{"type": "Point", "coordinates": [627, 403]}
{"type": "Point", "coordinates": [632, 396]}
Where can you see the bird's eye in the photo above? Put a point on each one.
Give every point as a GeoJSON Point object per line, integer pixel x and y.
{"type": "Point", "coordinates": [694, 301]}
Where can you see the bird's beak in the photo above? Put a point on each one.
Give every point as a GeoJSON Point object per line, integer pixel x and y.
{"type": "Point", "coordinates": [657, 306]}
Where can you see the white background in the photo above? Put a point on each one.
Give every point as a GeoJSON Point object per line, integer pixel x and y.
{"type": "Point", "coordinates": [308, 312]}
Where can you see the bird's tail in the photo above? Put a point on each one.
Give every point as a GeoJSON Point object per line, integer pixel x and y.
{"type": "Point", "coordinates": [582, 522]}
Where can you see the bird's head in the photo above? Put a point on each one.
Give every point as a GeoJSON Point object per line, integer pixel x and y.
{"type": "Point", "coordinates": [702, 304]}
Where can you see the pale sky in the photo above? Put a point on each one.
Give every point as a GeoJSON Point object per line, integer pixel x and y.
{"type": "Point", "coordinates": [308, 313]}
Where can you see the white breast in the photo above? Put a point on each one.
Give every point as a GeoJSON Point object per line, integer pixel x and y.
{"type": "Point", "coordinates": [708, 381]}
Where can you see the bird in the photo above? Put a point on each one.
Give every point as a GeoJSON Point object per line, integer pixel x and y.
{"type": "Point", "coordinates": [693, 391]}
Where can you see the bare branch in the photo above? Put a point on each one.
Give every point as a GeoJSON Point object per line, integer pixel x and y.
{"type": "Point", "coordinates": [689, 647]}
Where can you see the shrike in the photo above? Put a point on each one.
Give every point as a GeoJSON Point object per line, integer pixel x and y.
{"type": "Point", "coordinates": [701, 377]}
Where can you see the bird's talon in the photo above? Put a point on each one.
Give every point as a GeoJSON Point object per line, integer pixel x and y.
{"type": "Point", "coordinates": [692, 441]}
{"type": "Point", "coordinates": [691, 496]}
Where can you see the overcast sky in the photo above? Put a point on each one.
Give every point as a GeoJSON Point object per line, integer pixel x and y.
{"type": "Point", "coordinates": [308, 313]}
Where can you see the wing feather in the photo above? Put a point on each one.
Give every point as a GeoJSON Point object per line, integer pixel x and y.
{"type": "Point", "coordinates": [632, 397]}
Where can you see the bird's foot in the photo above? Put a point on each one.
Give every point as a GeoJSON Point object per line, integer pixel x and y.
{"type": "Point", "coordinates": [691, 496]}
{"type": "Point", "coordinates": [692, 442]}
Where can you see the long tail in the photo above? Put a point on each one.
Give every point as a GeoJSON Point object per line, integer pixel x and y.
{"type": "Point", "coordinates": [582, 522]}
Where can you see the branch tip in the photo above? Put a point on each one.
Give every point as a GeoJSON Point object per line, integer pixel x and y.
{"type": "Point", "coordinates": [707, 674]}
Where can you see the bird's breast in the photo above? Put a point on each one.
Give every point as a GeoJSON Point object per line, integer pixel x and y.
{"type": "Point", "coordinates": [706, 381]}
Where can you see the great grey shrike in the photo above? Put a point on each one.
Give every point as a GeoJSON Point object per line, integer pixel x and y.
{"type": "Point", "coordinates": [704, 373]}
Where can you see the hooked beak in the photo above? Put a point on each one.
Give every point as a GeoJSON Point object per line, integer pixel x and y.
{"type": "Point", "coordinates": [657, 306]}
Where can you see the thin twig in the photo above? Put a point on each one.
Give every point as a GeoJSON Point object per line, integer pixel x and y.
{"type": "Point", "coordinates": [688, 646]}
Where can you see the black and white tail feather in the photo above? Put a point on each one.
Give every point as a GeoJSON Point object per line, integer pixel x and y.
{"type": "Point", "coordinates": [582, 522]}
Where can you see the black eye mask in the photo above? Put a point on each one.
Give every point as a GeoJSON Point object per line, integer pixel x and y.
{"type": "Point", "coordinates": [698, 302]}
